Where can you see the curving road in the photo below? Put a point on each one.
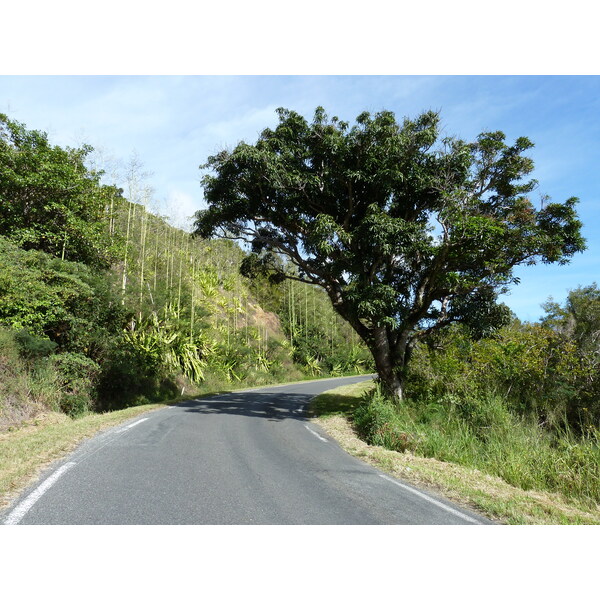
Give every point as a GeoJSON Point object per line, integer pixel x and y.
{"type": "Point", "coordinates": [246, 457]}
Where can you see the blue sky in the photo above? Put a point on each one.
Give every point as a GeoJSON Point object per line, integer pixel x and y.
{"type": "Point", "coordinates": [173, 123]}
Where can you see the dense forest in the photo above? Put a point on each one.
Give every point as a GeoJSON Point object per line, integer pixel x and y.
{"type": "Point", "coordinates": [104, 305]}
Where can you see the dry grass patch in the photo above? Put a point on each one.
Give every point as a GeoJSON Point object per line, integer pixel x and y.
{"type": "Point", "coordinates": [486, 494]}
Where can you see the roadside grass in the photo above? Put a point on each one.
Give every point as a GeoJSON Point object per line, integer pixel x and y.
{"type": "Point", "coordinates": [343, 400]}
{"type": "Point", "coordinates": [485, 492]}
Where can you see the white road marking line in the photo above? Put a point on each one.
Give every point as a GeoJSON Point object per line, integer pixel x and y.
{"type": "Point", "coordinates": [23, 508]}
{"type": "Point", "coordinates": [136, 423]}
{"type": "Point", "coordinates": [316, 434]}
{"type": "Point", "coordinates": [425, 497]}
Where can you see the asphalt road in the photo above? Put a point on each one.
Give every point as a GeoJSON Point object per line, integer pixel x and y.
{"type": "Point", "coordinates": [247, 457]}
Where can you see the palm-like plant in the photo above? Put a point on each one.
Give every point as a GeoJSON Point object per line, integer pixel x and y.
{"type": "Point", "coordinates": [165, 342]}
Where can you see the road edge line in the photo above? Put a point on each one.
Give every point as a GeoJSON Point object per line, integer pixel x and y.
{"type": "Point", "coordinates": [17, 514]}
{"type": "Point", "coordinates": [429, 499]}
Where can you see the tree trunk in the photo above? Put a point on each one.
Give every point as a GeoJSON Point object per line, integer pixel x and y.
{"type": "Point", "coordinates": [389, 372]}
{"type": "Point", "coordinates": [390, 356]}
{"type": "Point", "coordinates": [126, 249]}
{"type": "Point", "coordinates": [393, 384]}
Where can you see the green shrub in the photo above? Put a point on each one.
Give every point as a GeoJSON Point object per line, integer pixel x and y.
{"type": "Point", "coordinates": [32, 346]}
{"type": "Point", "coordinates": [77, 376]}
{"type": "Point", "coordinates": [27, 385]}
{"type": "Point", "coordinates": [376, 420]}
{"type": "Point", "coordinates": [130, 378]}
{"type": "Point", "coordinates": [538, 373]}
{"type": "Point", "coordinates": [479, 430]}
{"type": "Point", "coordinates": [9, 347]}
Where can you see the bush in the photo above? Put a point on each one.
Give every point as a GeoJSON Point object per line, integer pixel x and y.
{"type": "Point", "coordinates": [130, 378]}
{"type": "Point", "coordinates": [32, 346]}
{"type": "Point", "coordinates": [376, 421]}
{"type": "Point", "coordinates": [537, 373]}
{"type": "Point", "coordinates": [28, 386]}
{"type": "Point", "coordinates": [77, 376]}
{"type": "Point", "coordinates": [479, 430]}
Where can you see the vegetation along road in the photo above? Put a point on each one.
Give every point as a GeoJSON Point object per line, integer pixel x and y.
{"type": "Point", "coordinates": [247, 457]}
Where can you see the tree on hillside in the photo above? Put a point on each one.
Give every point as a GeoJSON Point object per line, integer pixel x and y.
{"type": "Point", "coordinates": [405, 231]}
{"type": "Point", "coordinates": [49, 199]}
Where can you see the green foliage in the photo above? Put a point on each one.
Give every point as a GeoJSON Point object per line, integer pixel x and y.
{"type": "Point", "coordinates": [535, 370]}
{"type": "Point", "coordinates": [406, 232]}
{"type": "Point", "coordinates": [49, 200]}
{"type": "Point", "coordinates": [50, 298]}
{"type": "Point", "coordinates": [16, 403]}
{"type": "Point", "coordinates": [577, 323]}
{"type": "Point", "coordinates": [480, 430]}
{"type": "Point", "coordinates": [77, 377]}
{"type": "Point", "coordinates": [129, 378]}
{"type": "Point", "coordinates": [321, 341]}
{"type": "Point", "coordinates": [32, 346]}
{"type": "Point", "coordinates": [376, 422]}
{"type": "Point", "coordinates": [32, 379]}
{"type": "Point", "coordinates": [264, 361]}
{"type": "Point", "coordinates": [167, 347]}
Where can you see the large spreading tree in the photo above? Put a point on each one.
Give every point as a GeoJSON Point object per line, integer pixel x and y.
{"type": "Point", "coordinates": [406, 231]}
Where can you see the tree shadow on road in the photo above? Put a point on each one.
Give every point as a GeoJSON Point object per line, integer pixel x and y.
{"type": "Point", "coordinates": [273, 406]}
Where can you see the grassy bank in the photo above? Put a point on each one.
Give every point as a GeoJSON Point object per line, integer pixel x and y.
{"type": "Point", "coordinates": [477, 477]}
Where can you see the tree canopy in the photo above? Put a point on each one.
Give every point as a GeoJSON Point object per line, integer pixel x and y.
{"type": "Point", "coordinates": [406, 231]}
{"type": "Point", "coordinates": [50, 200]}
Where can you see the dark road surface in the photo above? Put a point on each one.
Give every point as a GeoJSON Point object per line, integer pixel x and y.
{"type": "Point", "coordinates": [246, 457]}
